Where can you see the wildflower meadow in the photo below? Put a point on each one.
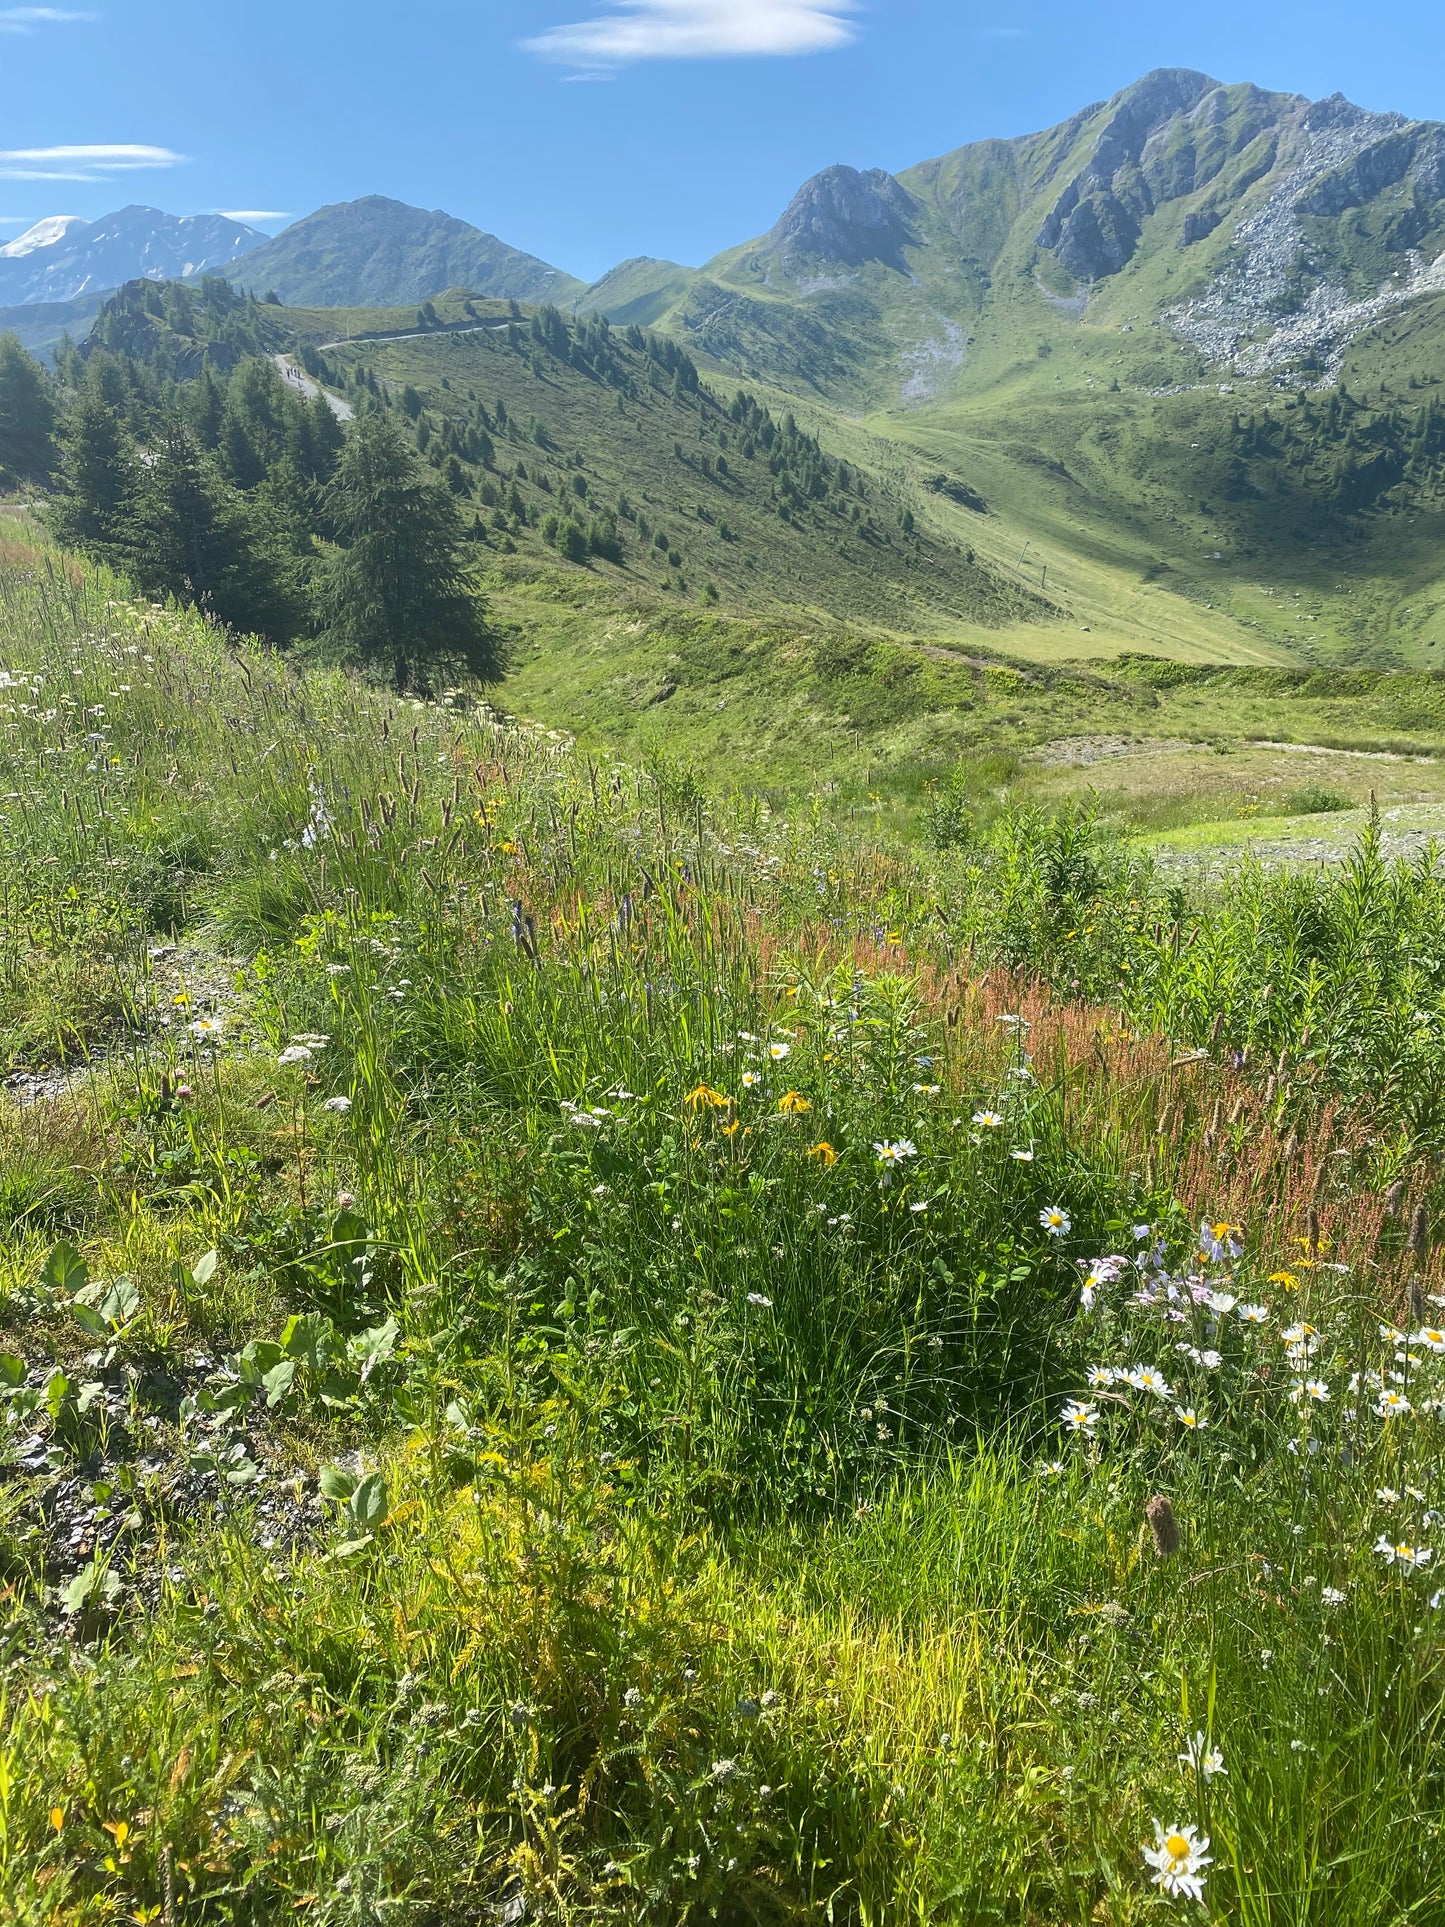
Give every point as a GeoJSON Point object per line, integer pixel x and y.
{"type": "Point", "coordinates": [577, 1348]}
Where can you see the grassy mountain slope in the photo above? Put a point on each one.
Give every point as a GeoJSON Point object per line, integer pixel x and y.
{"type": "Point", "coordinates": [40, 327]}
{"type": "Point", "coordinates": [1111, 327]}
{"type": "Point", "coordinates": [576, 443]}
{"type": "Point", "coordinates": [380, 251]}
{"type": "Point", "coordinates": [640, 290]}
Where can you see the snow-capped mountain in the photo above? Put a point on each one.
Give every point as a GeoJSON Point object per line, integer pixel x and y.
{"type": "Point", "coordinates": [64, 257]}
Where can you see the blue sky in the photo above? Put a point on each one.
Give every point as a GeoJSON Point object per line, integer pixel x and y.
{"type": "Point", "coordinates": [590, 130]}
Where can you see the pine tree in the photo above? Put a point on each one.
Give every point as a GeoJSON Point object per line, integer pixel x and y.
{"type": "Point", "coordinates": [324, 439]}
{"type": "Point", "coordinates": [395, 596]}
{"type": "Point", "coordinates": [27, 416]}
{"type": "Point", "coordinates": [186, 534]}
{"type": "Point", "coordinates": [95, 477]}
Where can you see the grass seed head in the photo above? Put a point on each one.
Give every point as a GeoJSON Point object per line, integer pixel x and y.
{"type": "Point", "coordinates": [1163, 1526]}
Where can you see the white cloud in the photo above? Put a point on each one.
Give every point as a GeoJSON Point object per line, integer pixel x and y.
{"type": "Point", "coordinates": [32, 19]}
{"type": "Point", "coordinates": [696, 30]}
{"type": "Point", "coordinates": [251, 214]}
{"type": "Point", "coordinates": [81, 163]}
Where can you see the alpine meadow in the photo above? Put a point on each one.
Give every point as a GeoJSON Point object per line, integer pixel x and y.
{"type": "Point", "coordinates": [722, 999]}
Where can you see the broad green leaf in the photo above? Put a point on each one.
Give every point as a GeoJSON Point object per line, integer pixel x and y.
{"type": "Point", "coordinates": [121, 1303]}
{"type": "Point", "coordinates": [64, 1269]}
{"type": "Point", "coordinates": [93, 1585]}
{"type": "Point", "coordinates": [369, 1504]}
{"type": "Point", "coordinates": [204, 1269]}
{"type": "Point", "coordinates": [372, 1348]}
{"type": "Point", "coordinates": [336, 1484]}
{"type": "Point", "coordinates": [278, 1381]}
{"type": "Point", "coordinates": [348, 1548]}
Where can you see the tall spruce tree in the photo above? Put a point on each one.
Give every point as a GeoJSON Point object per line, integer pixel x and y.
{"type": "Point", "coordinates": [189, 535]}
{"type": "Point", "coordinates": [96, 473]}
{"type": "Point", "coordinates": [395, 596]}
{"type": "Point", "coordinates": [27, 416]}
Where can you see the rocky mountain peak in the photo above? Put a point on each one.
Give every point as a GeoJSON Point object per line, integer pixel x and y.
{"type": "Point", "coordinates": [846, 216]}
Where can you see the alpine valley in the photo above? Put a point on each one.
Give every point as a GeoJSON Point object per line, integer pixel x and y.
{"type": "Point", "coordinates": [1161, 382]}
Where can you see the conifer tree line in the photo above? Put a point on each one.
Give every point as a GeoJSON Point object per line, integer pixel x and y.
{"type": "Point", "coordinates": [233, 493]}
{"type": "Point", "coordinates": [1341, 450]}
{"type": "Point", "coordinates": [177, 453]}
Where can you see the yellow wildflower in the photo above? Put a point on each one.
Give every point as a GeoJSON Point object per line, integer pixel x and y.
{"type": "Point", "coordinates": [793, 1104]}
{"type": "Point", "coordinates": [825, 1154]}
{"type": "Point", "coordinates": [706, 1099]}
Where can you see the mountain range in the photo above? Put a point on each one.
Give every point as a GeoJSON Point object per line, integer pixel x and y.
{"type": "Point", "coordinates": [64, 258]}
{"type": "Point", "coordinates": [1172, 369]}
{"type": "Point", "coordinates": [1253, 231]}
{"type": "Point", "coordinates": [1256, 231]}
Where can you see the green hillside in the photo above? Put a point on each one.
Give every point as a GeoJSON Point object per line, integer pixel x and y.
{"type": "Point", "coordinates": [378, 250]}
{"type": "Point", "coordinates": [1186, 345]}
{"type": "Point", "coordinates": [583, 445]}
{"type": "Point", "coordinates": [898, 479]}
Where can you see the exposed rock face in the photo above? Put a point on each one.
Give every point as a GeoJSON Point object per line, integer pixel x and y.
{"type": "Point", "coordinates": [1168, 137]}
{"type": "Point", "coordinates": [844, 216]}
{"type": "Point", "coordinates": [1298, 279]}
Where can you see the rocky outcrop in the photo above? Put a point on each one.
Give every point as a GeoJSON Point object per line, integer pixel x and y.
{"type": "Point", "coordinates": [844, 216]}
{"type": "Point", "coordinates": [1280, 301]}
{"type": "Point", "coordinates": [1094, 227]}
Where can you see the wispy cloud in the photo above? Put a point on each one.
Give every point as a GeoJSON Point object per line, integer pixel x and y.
{"type": "Point", "coordinates": [697, 30]}
{"type": "Point", "coordinates": [252, 214]}
{"type": "Point", "coordinates": [81, 163]}
{"type": "Point", "coordinates": [32, 19]}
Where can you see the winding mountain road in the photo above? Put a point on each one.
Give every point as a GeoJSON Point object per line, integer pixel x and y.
{"type": "Point", "coordinates": [295, 378]}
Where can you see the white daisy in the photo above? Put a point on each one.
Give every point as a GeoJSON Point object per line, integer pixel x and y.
{"type": "Point", "coordinates": [1200, 1757]}
{"type": "Point", "coordinates": [1057, 1223]}
{"type": "Point", "coordinates": [1312, 1388]}
{"type": "Point", "coordinates": [1412, 1557]}
{"type": "Point", "coordinates": [1179, 1858]}
{"type": "Point", "coordinates": [1144, 1378]}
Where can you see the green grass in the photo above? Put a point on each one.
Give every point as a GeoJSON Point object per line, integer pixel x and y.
{"type": "Point", "coordinates": [422, 1501]}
